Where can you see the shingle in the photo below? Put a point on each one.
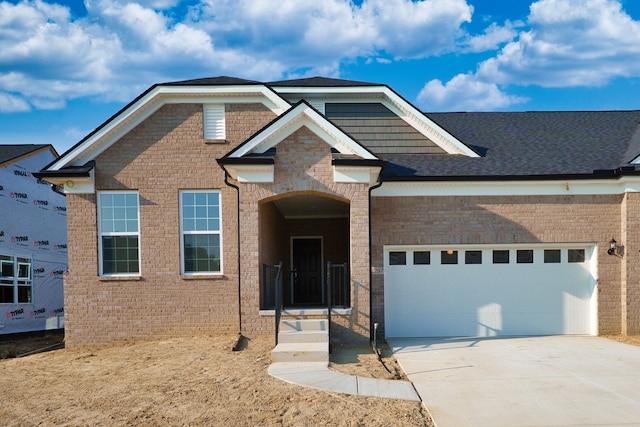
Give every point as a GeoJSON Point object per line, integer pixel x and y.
{"type": "Point", "coordinates": [12, 151]}
{"type": "Point", "coordinates": [212, 81]}
{"type": "Point", "coordinates": [320, 82]}
{"type": "Point", "coordinates": [527, 144]}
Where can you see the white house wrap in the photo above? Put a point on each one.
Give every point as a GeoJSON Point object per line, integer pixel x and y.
{"type": "Point", "coordinates": [33, 244]}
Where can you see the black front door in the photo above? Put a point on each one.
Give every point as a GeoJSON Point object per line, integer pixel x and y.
{"type": "Point", "coordinates": [306, 272]}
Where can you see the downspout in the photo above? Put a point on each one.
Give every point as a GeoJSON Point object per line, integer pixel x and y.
{"type": "Point", "coordinates": [226, 181]}
{"type": "Point", "coordinates": [371, 323]}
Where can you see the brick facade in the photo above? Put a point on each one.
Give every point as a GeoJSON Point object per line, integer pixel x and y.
{"type": "Point", "coordinates": [163, 155]}
{"type": "Point", "coordinates": [518, 219]}
{"type": "Point", "coordinates": [167, 153]}
{"type": "Point", "coordinates": [303, 167]}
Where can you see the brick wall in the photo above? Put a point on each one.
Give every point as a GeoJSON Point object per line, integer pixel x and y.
{"type": "Point", "coordinates": [303, 167]}
{"type": "Point", "coordinates": [163, 155]}
{"type": "Point", "coordinates": [510, 220]}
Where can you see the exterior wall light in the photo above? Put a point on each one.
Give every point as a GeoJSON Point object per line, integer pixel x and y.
{"type": "Point", "coordinates": [612, 247]}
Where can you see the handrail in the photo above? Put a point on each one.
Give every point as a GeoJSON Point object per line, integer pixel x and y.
{"type": "Point", "coordinates": [329, 303]}
{"type": "Point", "coordinates": [278, 285]}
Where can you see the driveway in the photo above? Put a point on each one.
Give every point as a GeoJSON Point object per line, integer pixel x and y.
{"type": "Point", "coordinates": [529, 381]}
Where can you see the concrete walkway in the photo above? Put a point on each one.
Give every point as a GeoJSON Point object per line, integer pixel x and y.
{"type": "Point", "coordinates": [318, 375]}
{"type": "Point", "coordinates": [529, 381]}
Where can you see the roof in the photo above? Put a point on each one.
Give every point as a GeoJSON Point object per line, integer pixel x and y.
{"type": "Point", "coordinates": [320, 82]}
{"type": "Point", "coordinates": [528, 144]}
{"type": "Point", "coordinates": [212, 81]}
{"type": "Point", "coordinates": [14, 151]}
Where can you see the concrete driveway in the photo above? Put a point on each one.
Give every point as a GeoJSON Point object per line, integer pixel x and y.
{"type": "Point", "coordinates": [530, 381]}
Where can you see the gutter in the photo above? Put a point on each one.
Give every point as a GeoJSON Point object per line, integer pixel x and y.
{"type": "Point", "coordinates": [372, 329]}
{"type": "Point", "coordinates": [616, 173]}
{"type": "Point", "coordinates": [236, 344]}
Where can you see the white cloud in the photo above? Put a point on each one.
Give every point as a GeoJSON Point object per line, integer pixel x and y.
{"type": "Point", "coordinates": [464, 93]}
{"type": "Point", "coordinates": [494, 36]}
{"type": "Point", "coordinates": [48, 56]}
{"type": "Point", "coordinates": [570, 43]}
{"type": "Point", "coordinates": [11, 103]}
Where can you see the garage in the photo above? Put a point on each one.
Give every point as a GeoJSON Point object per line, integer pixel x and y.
{"type": "Point", "coordinates": [438, 291]}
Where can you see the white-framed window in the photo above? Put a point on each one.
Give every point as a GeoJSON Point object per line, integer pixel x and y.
{"type": "Point", "coordinates": [16, 283]}
{"type": "Point", "coordinates": [118, 223]}
{"type": "Point", "coordinates": [201, 232]}
{"type": "Point", "coordinates": [214, 121]}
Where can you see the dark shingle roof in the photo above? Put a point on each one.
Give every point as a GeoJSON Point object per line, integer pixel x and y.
{"type": "Point", "coordinates": [212, 81]}
{"type": "Point", "coordinates": [527, 144]}
{"type": "Point", "coordinates": [10, 152]}
{"type": "Point", "coordinates": [320, 82]}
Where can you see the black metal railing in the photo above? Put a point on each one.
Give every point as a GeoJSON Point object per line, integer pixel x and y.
{"type": "Point", "coordinates": [338, 288]}
{"type": "Point", "coordinates": [272, 291]}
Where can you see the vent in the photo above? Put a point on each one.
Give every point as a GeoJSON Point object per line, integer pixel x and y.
{"type": "Point", "coordinates": [214, 126]}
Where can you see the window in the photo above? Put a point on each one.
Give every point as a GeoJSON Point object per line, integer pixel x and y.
{"type": "Point", "coordinates": [524, 256]}
{"type": "Point", "coordinates": [421, 258]}
{"type": "Point", "coordinates": [448, 257]}
{"type": "Point", "coordinates": [576, 255]}
{"type": "Point", "coordinates": [15, 280]}
{"type": "Point", "coordinates": [397, 258]}
{"type": "Point", "coordinates": [551, 256]}
{"type": "Point", "coordinates": [119, 233]}
{"type": "Point", "coordinates": [473, 257]}
{"type": "Point", "coordinates": [501, 257]}
{"type": "Point", "coordinates": [201, 232]}
{"type": "Point", "coordinates": [214, 124]}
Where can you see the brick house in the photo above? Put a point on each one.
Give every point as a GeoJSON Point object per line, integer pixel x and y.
{"type": "Point", "coordinates": [447, 224]}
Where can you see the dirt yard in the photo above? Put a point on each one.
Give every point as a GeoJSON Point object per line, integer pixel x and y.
{"type": "Point", "coordinates": [184, 382]}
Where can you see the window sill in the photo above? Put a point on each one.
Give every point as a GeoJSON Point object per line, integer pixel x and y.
{"type": "Point", "coordinates": [120, 278]}
{"type": "Point", "coordinates": [215, 141]}
{"type": "Point", "coordinates": [204, 277]}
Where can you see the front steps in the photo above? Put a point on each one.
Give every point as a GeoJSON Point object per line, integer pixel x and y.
{"type": "Point", "coordinates": [302, 341]}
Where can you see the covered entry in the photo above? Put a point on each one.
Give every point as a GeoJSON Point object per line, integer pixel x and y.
{"type": "Point", "coordinates": [436, 291]}
{"type": "Point", "coordinates": [305, 232]}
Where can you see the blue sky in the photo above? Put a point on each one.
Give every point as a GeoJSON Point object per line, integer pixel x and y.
{"type": "Point", "coordinates": [66, 67]}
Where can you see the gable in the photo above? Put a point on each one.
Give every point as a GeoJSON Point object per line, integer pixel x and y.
{"type": "Point", "coordinates": [253, 161]}
{"type": "Point", "coordinates": [379, 129]}
{"type": "Point", "coordinates": [320, 97]}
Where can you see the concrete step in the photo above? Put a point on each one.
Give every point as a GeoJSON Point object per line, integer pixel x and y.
{"type": "Point", "coordinates": [302, 336]}
{"type": "Point", "coordinates": [301, 352]}
{"type": "Point", "coordinates": [303, 325]}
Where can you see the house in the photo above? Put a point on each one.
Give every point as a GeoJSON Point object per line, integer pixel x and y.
{"type": "Point", "coordinates": [443, 224]}
{"type": "Point", "coordinates": [33, 242]}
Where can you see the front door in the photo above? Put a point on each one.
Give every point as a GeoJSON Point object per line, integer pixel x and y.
{"type": "Point", "coordinates": [306, 272]}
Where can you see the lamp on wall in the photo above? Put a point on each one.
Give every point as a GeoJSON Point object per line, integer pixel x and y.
{"type": "Point", "coordinates": [612, 247]}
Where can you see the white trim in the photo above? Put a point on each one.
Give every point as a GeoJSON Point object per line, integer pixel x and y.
{"type": "Point", "coordinates": [79, 185]}
{"type": "Point", "coordinates": [356, 174]}
{"type": "Point", "coordinates": [303, 116]}
{"type": "Point", "coordinates": [101, 234]}
{"type": "Point", "coordinates": [509, 188]}
{"type": "Point", "coordinates": [251, 173]}
{"type": "Point", "coordinates": [403, 109]}
{"type": "Point", "coordinates": [153, 101]}
{"type": "Point", "coordinates": [182, 234]}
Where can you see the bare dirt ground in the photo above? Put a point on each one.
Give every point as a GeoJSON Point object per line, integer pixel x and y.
{"type": "Point", "coordinates": [195, 381]}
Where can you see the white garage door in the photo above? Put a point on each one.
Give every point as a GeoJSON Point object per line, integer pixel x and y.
{"type": "Point", "coordinates": [489, 291]}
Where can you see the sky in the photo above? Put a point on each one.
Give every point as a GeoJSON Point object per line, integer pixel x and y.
{"type": "Point", "coordinates": [68, 66]}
